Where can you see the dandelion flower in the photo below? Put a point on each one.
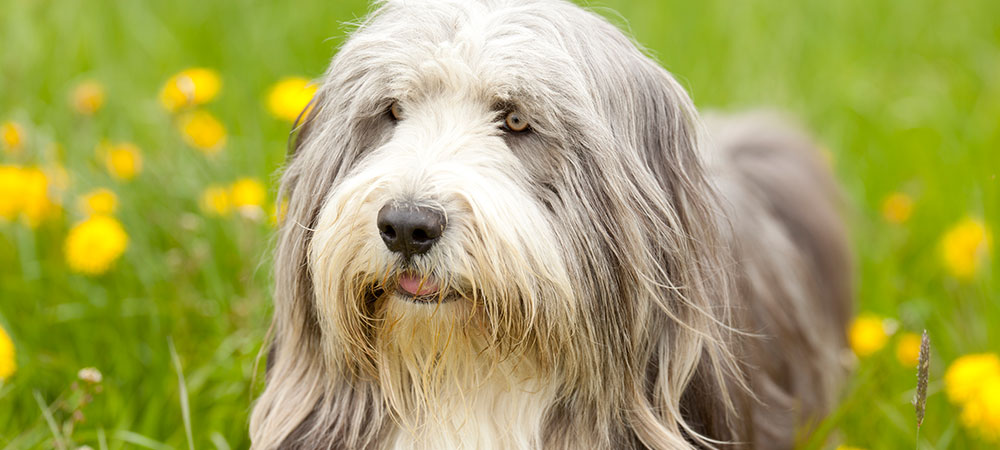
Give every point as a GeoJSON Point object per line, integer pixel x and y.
{"type": "Point", "coordinates": [965, 376]}
{"type": "Point", "coordinates": [12, 137]}
{"type": "Point", "coordinates": [908, 349]}
{"type": "Point", "coordinates": [93, 245]}
{"type": "Point", "coordinates": [87, 97]}
{"type": "Point", "coordinates": [36, 202]}
{"type": "Point", "coordinates": [867, 335]}
{"type": "Point", "coordinates": [100, 201]}
{"type": "Point", "coordinates": [848, 447]}
{"type": "Point", "coordinates": [123, 160]}
{"type": "Point", "coordinates": [191, 87]}
{"type": "Point", "coordinates": [11, 191]}
{"type": "Point", "coordinates": [203, 131]}
{"type": "Point", "coordinates": [982, 412]}
{"type": "Point", "coordinates": [248, 196]}
{"type": "Point", "coordinates": [248, 192]}
{"type": "Point", "coordinates": [25, 192]}
{"type": "Point", "coordinates": [215, 200]}
{"type": "Point", "coordinates": [289, 97]}
{"type": "Point", "coordinates": [8, 362]}
{"type": "Point", "coordinates": [897, 208]}
{"type": "Point", "coordinates": [964, 247]}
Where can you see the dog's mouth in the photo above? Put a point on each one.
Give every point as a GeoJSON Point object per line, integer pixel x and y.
{"type": "Point", "coordinates": [422, 289]}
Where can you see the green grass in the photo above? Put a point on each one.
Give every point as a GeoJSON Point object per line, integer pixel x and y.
{"type": "Point", "coordinates": [905, 94]}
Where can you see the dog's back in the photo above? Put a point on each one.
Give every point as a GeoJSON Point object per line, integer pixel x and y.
{"type": "Point", "coordinates": [790, 244]}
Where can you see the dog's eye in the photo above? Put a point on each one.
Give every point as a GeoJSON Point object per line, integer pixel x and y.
{"type": "Point", "coordinates": [395, 111]}
{"type": "Point", "coordinates": [515, 121]}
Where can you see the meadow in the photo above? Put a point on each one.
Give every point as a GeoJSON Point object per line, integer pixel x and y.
{"type": "Point", "coordinates": [140, 143]}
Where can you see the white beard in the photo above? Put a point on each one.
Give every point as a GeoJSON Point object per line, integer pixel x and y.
{"type": "Point", "coordinates": [502, 413]}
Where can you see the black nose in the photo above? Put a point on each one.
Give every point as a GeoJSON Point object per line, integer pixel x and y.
{"type": "Point", "coordinates": [410, 229]}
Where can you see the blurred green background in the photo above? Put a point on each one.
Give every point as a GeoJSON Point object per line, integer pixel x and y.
{"type": "Point", "coordinates": [905, 95]}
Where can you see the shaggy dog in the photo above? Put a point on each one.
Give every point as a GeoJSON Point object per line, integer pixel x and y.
{"type": "Point", "coordinates": [508, 228]}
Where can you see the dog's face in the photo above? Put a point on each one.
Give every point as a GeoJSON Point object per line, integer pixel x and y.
{"type": "Point", "coordinates": [479, 181]}
{"type": "Point", "coordinates": [489, 177]}
{"type": "Point", "coordinates": [451, 222]}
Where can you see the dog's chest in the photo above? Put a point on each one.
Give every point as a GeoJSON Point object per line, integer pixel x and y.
{"type": "Point", "coordinates": [496, 415]}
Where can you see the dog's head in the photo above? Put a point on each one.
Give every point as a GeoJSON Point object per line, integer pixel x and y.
{"type": "Point", "coordinates": [502, 182]}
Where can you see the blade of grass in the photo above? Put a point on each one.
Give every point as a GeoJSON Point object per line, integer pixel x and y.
{"type": "Point", "coordinates": [185, 407]}
{"type": "Point", "coordinates": [220, 441]}
{"type": "Point", "coordinates": [140, 440]}
{"type": "Point", "coordinates": [102, 439]}
{"type": "Point", "coordinates": [50, 420]}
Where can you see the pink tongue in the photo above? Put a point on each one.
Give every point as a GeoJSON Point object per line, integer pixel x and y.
{"type": "Point", "coordinates": [416, 285]}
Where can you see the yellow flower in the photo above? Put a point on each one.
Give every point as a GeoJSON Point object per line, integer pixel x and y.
{"type": "Point", "coordinates": [248, 193]}
{"type": "Point", "coordinates": [94, 244]}
{"type": "Point", "coordinates": [87, 97]}
{"type": "Point", "coordinates": [964, 247]}
{"type": "Point", "coordinates": [25, 192]}
{"type": "Point", "coordinates": [123, 160]}
{"type": "Point", "coordinates": [11, 191]}
{"type": "Point", "coordinates": [191, 87]}
{"type": "Point", "coordinates": [982, 412]}
{"type": "Point", "coordinates": [289, 97]}
{"type": "Point", "coordinates": [8, 362]}
{"type": "Point", "coordinates": [867, 335]}
{"type": "Point", "coordinates": [203, 131]}
{"type": "Point", "coordinates": [848, 447]}
{"type": "Point", "coordinates": [215, 200]}
{"type": "Point", "coordinates": [908, 349]}
{"type": "Point", "coordinates": [36, 202]}
{"type": "Point", "coordinates": [897, 208]}
{"type": "Point", "coordinates": [965, 376]}
{"type": "Point", "coordinates": [12, 136]}
{"type": "Point", "coordinates": [100, 201]}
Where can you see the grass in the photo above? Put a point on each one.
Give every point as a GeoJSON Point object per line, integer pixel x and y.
{"type": "Point", "coordinates": [903, 94]}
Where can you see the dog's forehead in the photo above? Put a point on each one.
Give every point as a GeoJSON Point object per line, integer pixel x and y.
{"type": "Point", "coordinates": [495, 47]}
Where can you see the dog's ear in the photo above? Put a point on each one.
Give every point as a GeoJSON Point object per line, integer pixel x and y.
{"type": "Point", "coordinates": [672, 251]}
{"type": "Point", "coordinates": [294, 384]}
{"type": "Point", "coordinates": [693, 368]}
{"type": "Point", "coordinates": [325, 143]}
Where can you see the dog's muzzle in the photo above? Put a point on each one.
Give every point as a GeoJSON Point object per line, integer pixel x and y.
{"type": "Point", "coordinates": [410, 230]}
